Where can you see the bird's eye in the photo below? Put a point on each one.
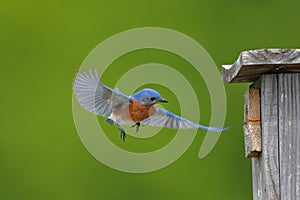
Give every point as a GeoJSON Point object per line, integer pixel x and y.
{"type": "Point", "coordinates": [152, 99]}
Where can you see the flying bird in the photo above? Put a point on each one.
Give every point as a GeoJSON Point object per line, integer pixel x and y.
{"type": "Point", "coordinates": [122, 110]}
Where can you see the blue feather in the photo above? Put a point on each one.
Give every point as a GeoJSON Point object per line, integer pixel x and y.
{"type": "Point", "coordinates": [146, 93]}
{"type": "Point", "coordinates": [165, 118]}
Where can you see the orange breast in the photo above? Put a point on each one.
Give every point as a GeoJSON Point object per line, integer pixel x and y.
{"type": "Point", "coordinates": [139, 112]}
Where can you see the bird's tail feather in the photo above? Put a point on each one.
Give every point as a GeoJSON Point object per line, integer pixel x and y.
{"type": "Point", "coordinates": [213, 129]}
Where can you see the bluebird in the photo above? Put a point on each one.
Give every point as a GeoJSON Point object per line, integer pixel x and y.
{"type": "Point", "coordinates": [122, 110]}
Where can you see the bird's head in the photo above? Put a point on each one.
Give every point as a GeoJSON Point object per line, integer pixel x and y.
{"type": "Point", "coordinates": [148, 97]}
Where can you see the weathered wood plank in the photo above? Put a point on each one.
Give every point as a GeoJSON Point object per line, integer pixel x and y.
{"type": "Point", "coordinates": [276, 172]}
{"type": "Point", "coordinates": [289, 135]}
{"type": "Point", "coordinates": [252, 127]}
{"type": "Point", "coordinates": [266, 167]}
{"type": "Point", "coordinates": [250, 65]}
{"type": "Point", "coordinates": [257, 182]}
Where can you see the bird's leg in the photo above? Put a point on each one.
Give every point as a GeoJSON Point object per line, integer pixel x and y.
{"type": "Point", "coordinates": [137, 125]}
{"type": "Point", "coordinates": [122, 132]}
{"type": "Point", "coordinates": [110, 121]}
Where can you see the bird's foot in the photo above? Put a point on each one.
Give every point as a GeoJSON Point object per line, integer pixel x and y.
{"type": "Point", "coordinates": [110, 121]}
{"type": "Point", "coordinates": [122, 133]}
{"type": "Point", "coordinates": [137, 125]}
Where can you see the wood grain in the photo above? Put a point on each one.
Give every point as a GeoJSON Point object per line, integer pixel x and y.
{"type": "Point", "coordinates": [252, 127]}
{"type": "Point", "coordinates": [289, 135]}
{"type": "Point", "coordinates": [265, 168]}
{"type": "Point", "coordinates": [250, 65]}
{"type": "Point", "coordinates": [276, 171]}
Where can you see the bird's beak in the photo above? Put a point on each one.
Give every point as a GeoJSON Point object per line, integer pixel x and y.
{"type": "Point", "coordinates": [163, 100]}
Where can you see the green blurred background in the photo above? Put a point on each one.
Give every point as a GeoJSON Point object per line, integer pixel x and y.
{"type": "Point", "coordinates": [43, 42]}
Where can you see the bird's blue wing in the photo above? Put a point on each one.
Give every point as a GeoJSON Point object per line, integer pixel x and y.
{"type": "Point", "coordinates": [165, 118]}
{"type": "Point", "coordinates": [94, 96]}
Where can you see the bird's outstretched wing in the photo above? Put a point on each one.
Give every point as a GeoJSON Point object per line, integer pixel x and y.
{"type": "Point", "coordinates": [96, 97]}
{"type": "Point", "coordinates": [165, 118]}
